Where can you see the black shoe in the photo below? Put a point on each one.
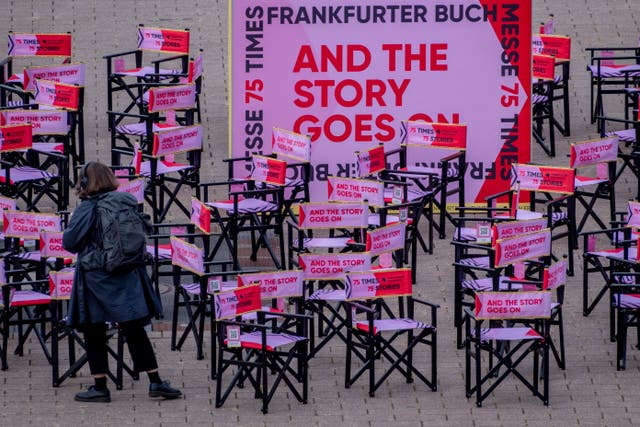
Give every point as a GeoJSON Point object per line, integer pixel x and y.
{"type": "Point", "coordinates": [165, 390]}
{"type": "Point", "coordinates": [94, 395]}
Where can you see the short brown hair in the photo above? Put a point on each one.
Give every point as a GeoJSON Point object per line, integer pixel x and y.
{"type": "Point", "coordinates": [95, 178]}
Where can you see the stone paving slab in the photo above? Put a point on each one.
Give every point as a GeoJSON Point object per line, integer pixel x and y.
{"type": "Point", "coordinates": [588, 393]}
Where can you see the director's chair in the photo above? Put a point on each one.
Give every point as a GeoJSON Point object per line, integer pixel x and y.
{"type": "Point", "coordinates": [258, 349]}
{"type": "Point", "coordinates": [489, 331]}
{"type": "Point", "coordinates": [381, 334]}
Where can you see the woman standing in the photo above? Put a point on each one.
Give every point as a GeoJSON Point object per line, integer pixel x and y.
{"type": "Point", "coordinates": [100, 296]}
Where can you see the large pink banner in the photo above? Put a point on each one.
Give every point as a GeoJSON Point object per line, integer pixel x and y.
{"type": "Point", "coordinates": [349, 75]}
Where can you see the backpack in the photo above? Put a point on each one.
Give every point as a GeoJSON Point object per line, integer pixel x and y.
{"type": "Point", "coordinates": [120, 235]}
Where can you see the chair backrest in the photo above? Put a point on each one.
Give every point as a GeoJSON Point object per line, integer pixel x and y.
{"type": "Point", "coordinates": [512, 305]}
{"type": "Point", "coordinates": [333, 266]}
{"type": "Point", "coordinates": [437, 135]}
{"type": "Point", "coordinates": [187, 256]}
{"type": "Point", "coordinates": [355, 190]}
{"type": "Point", "coordinates": [633, 214]}
{"type": "Point", "coordinates": [61, 283]}
{"type": "Point", "coordinates": [59, 95]}
{"type": "Point", "coordinates": [370, 162]}
{"type": "Point", "coordinates": [366, 285]}
{"type": "Point", "coordinates": [386, 239]}
{"type": "Point", "coordinates": [51, 245]}
{"type": "Point", "coordinates": [555, 45]}
{"type": "Point", "coordinates": [594, 153]}
{"type": "Point", "coordinates": [522, 248]}
{"type": "Point", "coordinates": [268, 170]}
{"type": "Point", "coordinates": [16, 137]}
{"type": "Point", "coordinates": [43, 122]}
{"type": "Point", "coordinates": [550, 179]}
{"type": "Point", "coordinates": [333, 215]}
{"type": "Point", "coordinates": [275, 284]}
{"type": "Point", "coordinates": [237, 302]}
{"type": "Point", "coordinates": [72, 74]}
{"type": "Point", "coordinates": [173, 97]}
{"type": "Point", "coordinates": [39, 44]}
{"type": "Point", "coordinates": [292, 145]}
{"type": "Point", "coordinates": [555, 276]}
{"type": "Point", "coordinates": [163, 40]}
{"type": "Point", "coordinates": [508, 229]}
{"type": "Point", "coordinates": [29, 225]}
{"type": "Point", "coordinates": [543, 68]}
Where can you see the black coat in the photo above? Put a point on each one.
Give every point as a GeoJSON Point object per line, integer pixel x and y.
{"type": "Point", "coordinates": [99, 296]}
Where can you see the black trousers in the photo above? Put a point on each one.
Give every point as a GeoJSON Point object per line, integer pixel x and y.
{"type": "Point", "coordinates": [95, 335]}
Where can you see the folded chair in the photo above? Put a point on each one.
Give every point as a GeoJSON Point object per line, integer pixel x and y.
{"type": "Point", "coordinates": [258, 349]}
{"type": "Point", "coordinates": [488, 331]}
{"type": "Point", "coordinates": [382, 333]}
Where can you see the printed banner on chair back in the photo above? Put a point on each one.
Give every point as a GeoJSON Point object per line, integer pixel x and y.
{"type": "Point", "coordinates": [72, 74]}
{"type": "Point", "coordinates": [187, 256]}
{"type": "Point", "coordinates": [163, 40]}
{"type": "Point", "coordinates": [633, 214]}
{"type": "Point", "coordinates": [51, 245]}
{"type": "Point", "coordinates": [43, 122]}
{"type": "Point", "coordinates": [522, 248]}
{"type": "Point", "coordinates": [553, 45]}
{"type": "Point", "coordinates": [442, 135]}
{"type": "Point", "coordinates": [589, 153]}
{"type": "Point", "coordinates": [379, 283]}
{"type": "Point", "coordinates": [275, 284]}
{"type": "Point", "coordinates": [355, 190]}
{"type": "Point", "coordinates": [386, 239]}
{"type": "Point", "coordinates": [543, 178]}
{"type": "Point", "coordinates": [291, 144]}
{"type": "Point", "coordinates": [544, 67]}
{"type": "Point", "coordinates": [268, 170]}
{"type": "Point", "coordinates": [135, 187]}
{"type": "Point", "coordinates": [15, 137]}
{"type": "Point", "coordinates": [57, 94]}
{"type": "Point", "coordinates": [176, 141]}
{"type": "Point", "coordinates": [28, 225]}
{"type": "Point", "coordinates": [513, 305]}
{"type": "Point", "coordinates": [333, 266]}
{"type": "Point", "coordinates": [370, 162]}
{"type": "Point", "coordinates": [172, 97]}
{"type": "Point", "coordinates": [555, 275]}
{"type": "Point", "coordinates": [348, 75]}
{"type": "Point", "coordinates": [508, 229]}
{"type": "Point", "coordinates": [39, 44]}
{"type": "Point", "coordinates": [61, 283]}
{"type": "Point", "coordinates": [7, 204]}
{"type": "Point", "coordinates": [236, 302]}
{"type": "Point", "coordinates": [200, 215]}
{"type": "Point", "coordinates": [333, 215]}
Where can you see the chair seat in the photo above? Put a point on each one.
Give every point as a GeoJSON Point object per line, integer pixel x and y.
{"type": "Point", "coordinates": [27, 173]}
{"type": "Point", "coordinates": [509, 334]}
{"type": "Point", "coordinates": [25, 298]}
{"type": "Point", "coordinates": [164, 251]}
{"type": "Point", "coordinates": [465, 234]}
{"type": "Point", "coordinates": [49, 147]}
{"type": "Point", "coordinates": [163, 167]}
{"type": "Point", "coordinates": [615, 253]}
{"type": "Point", "coordinates": [626, 300]}
{"type": "Point", "coordinates": [245, 206]}
{"type": "Point", "coordinates": [583, 181]}
{"type": "Point", "coordinates": [140, 129]}
{"type": "Point", "coordinates": [328, 295]}
{"type": "Point", "coordinates": [324, 242]}
{"type": "Point", "coordinates": [482, 261]}
{"type": "Point", "coordinates": [382, 325]}
{"type": "Point", "coordinates": [486, 284]}
{"type": "Point", "coordinates": [147, 70]}
{"type": "Point", "coordinates": [615, 71]}
{"type": "Point", "coordinates": [627, 135]}
{"type": "Point", "coordinates": [273, 340]}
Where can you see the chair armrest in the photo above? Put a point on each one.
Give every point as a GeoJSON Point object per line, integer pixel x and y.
{"type": "Point", "coordinates": [113, 55]}
{"type": "Point", "coordinates": [500, 194]}
{"type": "Point", "coordinates": [453, 156]}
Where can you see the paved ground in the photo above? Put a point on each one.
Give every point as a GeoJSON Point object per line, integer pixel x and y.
{"type": "Point", "coordinates": [589, 392]}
